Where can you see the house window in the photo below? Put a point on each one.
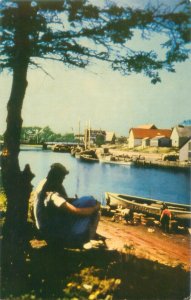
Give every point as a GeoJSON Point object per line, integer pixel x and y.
{"type": "Point", "coordinates": [189, 146]}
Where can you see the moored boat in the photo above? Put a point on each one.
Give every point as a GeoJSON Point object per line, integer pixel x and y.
{"type": "Point", "coordinates": [61, 148]}
{"type": "Point", "coordinates": [181, 212]}
{"type": "Point", "coordinates": [88, 158]}
{"type": "Point", "coordinates": [117, 160]}
{"type": "Point", "coordinates": [75, 151]}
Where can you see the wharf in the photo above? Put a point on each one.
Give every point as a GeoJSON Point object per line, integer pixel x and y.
{"type": "Point", "coordinates": [150, 159]}
{"type": "Point", "coordinates": [167, 164]}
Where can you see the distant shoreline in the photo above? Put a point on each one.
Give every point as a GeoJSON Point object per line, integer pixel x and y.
{"type": "Point", "coordinates": [140, 158]}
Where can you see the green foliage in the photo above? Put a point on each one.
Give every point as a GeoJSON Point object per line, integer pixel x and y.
{"type": "Point", "coordinates": [38, 135]}
{"type": "Point", "coordinates": [59, 30]}
{"type": "Point", "coordinates": [89, 284]}
{"type": "Point", "coordinates": [100, 139]}
{"type": "Point", "coordinates": [122, 139]}
{"type": "Point", "coordinates": [68, 137]}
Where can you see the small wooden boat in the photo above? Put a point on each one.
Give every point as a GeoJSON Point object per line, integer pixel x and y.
{"type": "Point", "coordinates": [117, 160]}
{"type": "Point", "coordinates": [148, 206]}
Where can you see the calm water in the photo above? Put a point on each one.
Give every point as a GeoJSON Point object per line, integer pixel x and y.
{"type": "Point", "coordinates": [96, 178]}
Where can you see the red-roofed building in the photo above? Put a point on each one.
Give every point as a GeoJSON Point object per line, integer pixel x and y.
{"type": "Point", "coordinates": [138, 135]}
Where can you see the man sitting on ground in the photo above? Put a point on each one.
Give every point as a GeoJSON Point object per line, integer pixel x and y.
{"type": "Point", "coordinates": [73, 222]}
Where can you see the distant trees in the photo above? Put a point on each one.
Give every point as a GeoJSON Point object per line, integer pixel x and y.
{"type": "Point", "coordinates": [30, 134]}
{"type": "Point", "coordinates": [100, 139]}
{"type": "Point", "coordinates": [122, 140]}
{"type": "Point", "coordinates": [38, 135]}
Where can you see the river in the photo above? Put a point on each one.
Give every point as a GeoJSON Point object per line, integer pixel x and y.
{"type": "Point", "coordinates": [97, 178]}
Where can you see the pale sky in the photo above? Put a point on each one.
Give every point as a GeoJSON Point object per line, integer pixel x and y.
{"type": "Point", "coordinates": [109, 100]}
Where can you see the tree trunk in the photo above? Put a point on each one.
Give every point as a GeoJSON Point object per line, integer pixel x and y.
{"type": "Point", "coordinates": [16, 183]}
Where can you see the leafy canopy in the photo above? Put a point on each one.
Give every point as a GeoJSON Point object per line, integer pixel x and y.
{"type": "Point", "coordinates": [76, 31]}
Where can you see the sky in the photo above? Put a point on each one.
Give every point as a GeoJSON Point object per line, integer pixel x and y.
{"type": "Point", "coordinates": [69, 99]}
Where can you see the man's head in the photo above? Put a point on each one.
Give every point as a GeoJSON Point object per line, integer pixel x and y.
{"type": "Point", "coordinates": [164, 205]}
{"type": "Point", "coordinates": [59, 168]}
{"type": "Point", "coordinates": [57, 172]}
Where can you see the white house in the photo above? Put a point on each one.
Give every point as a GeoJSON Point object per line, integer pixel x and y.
{"type": "Point", "coordinates": [110, 137]}
{"type": "Point", "coordinates": [180, 135]}
{"type": "Point", "coordinates": [185, 151]}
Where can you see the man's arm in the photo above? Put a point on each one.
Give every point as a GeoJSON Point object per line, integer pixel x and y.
{"type": "Point", "coordinates": [161, 215]}
{"type": "Point", "coordinates": [81, 211]}
{"type": "Point", "coordinates": [66, 206]}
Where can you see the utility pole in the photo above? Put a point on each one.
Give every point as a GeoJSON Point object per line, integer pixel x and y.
{"type": "Point", "coordinates": [86, 136]}
{"type": "Point", "coordinates": [89, 135]}
{"type": "Point", "coordinates": [79, 131]}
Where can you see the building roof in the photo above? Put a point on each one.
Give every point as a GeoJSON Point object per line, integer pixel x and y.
{"type": "Point", "coordinates": [188, 140]}
{"type": "Point", "coordinates": [183, 131]}
{"type": "Point", "coordinates": [140, 133]}
{"type": "Point", "coordinates": [147, 126]}
{"type": "Point", "coordinates": [109, 136]}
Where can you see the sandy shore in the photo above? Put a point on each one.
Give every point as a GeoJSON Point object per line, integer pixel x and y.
{"type": "Point", "coordinates": [150, 243]}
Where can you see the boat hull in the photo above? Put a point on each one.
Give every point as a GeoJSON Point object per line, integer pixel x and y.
{"type": "Point", "coordinates": [181, 212]}
{"type": "Point", "coordinates": [88, 159]}
{"type": "Point", "coordinates": [123, 163]}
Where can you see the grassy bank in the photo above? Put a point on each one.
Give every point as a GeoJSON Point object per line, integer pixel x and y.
{"type": "Point", "coordinates": [96, 274]}
{"type": "Point", "coordinates": [52, 272]}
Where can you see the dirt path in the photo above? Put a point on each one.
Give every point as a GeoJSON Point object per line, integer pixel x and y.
{"type": "Point", "coordinates": [170, 249]}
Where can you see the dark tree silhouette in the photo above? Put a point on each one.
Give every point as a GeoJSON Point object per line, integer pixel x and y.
{"type": "Point", "coordinates": [74, 33]}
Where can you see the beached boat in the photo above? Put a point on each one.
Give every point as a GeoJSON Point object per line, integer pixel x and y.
{"type": "Point", "coordinates": [149, 206]}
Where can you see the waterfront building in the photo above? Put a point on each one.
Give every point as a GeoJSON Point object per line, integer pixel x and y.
{"type": "Point", "coordinates": [110, 137]}
{"type": "Point", "coordinates": [160, 141]}
{"type": "Point", "coordinates": [94, 136]}
{"type": "Point", "coordinates": [180, 135]}
{"type": "Point", "coordinates": [141, 136]}
{"type": "Point", "coordinates": [185, 151]}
